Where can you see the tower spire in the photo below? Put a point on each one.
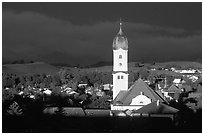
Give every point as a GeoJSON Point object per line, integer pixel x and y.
{"type": "Point", "coordinates": [120, 32]}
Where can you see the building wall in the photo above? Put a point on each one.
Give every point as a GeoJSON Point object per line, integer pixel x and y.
{"type": "Point", "coordinates": [123, 108]}
{"type": "Point", "coordinates": [120, 63]}
{"type": "Point", "coordinates": [120, 82]}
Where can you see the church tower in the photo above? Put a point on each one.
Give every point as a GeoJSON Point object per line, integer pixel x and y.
{"type": "Point", "coordinates": [120, 63]}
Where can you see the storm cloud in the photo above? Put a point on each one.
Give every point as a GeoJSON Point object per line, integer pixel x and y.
{"type": "Point", "coordinates": [39, 37]}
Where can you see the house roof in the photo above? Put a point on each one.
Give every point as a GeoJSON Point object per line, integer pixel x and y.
{"type": "Point", "coordinates": [97, 112]}
{"type": "Point", "coordinates": [174, 89]}
{"type": "Point", "coordinates": [73, 111]}
{"type": "Point", "coordinates": [177, 80]}
{"type": "Point", "coordinates": [157, 108]}
{"type": "Point", "coordinates": [125, 97]}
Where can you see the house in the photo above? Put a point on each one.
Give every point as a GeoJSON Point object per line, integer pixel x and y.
{"type": "Point", "coordinates": [51, 110]}
{"type": "Point", "coordinates": [47, 92]}
{"type": "Point", "coordinates": [107, 87]}
{"type": "Point", "coordinates": [156, 109]}
{"type": "Point", "coordinates": [173, 69]}
{"type": "Point", "coordinates": [190, 71]}
{"type": "Point", "coordinates": [71, 92]}
{"type": "Point", "coordinates": [32, 96]}
{"type": "Point", "coordinates": [178, 82]}
{"type": "Point", "coordinates": [89, 90]}
{"type": "Point", "coordinates": [193, 78]}
{"type": "Point", "coordinates": [82, 85]}
{"type": "Point", "coordinates": [173, 91]}
{"type": "Point", "coordinates": [67, 89]}
{"type": "Point", "coordinates": [148, 82]}
{"type": "Point", "coordinates": [161, 82]}
{"type": "Point", "coordinates": [100, 93]}
{"type": "Point", "coordinates": [21, 92]}
{"type": "Point", "coordinates": [153, 69]}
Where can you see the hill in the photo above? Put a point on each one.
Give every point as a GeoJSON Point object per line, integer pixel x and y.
{"type": "Point", "coordinates": [100, 64]}
{"type": "Point", "coordinates": [30, 68]}
{"type": "Point", "coordinates": [182, 64]}
{"type": "Point", "coordinates": [40, 67]}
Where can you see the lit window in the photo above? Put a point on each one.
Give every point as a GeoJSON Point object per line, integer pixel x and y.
{"type": "Point", "coordinates": [120, 64]}
{"type": "Point", "coordinates": [118, 77]}
{"type": "Point", "coordinates": [121, 77]}
{"type": "Point", "coordinates": [120, 56]}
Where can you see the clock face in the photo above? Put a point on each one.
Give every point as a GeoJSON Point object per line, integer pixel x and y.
{"type": "Point", "coordinates": [120, 56]}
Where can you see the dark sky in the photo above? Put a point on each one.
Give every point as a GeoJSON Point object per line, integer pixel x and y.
{"type": "Point", "coordinates": [82, 33]}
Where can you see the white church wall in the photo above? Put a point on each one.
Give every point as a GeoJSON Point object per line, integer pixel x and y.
{"type": "Point", "coordinates": [141, 100]}
{"type": "Point", "coordinates": [120, 60]}
{"type": "Point", "coordinates": [120, 82]}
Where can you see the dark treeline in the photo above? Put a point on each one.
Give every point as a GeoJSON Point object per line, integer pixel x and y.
{"type": "Point", "coordinates": [15, 104]}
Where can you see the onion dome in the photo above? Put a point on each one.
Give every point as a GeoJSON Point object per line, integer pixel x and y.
{"type": "Point", "coordinates": [120, 41]}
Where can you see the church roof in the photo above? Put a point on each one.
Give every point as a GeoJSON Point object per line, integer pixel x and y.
{"type": "Point", "coordinates": [120, 96]}
{"type": "Point", "coordinates": [173, 89]}
{"type": "Point", "coordinates": [114, 72]}
{"type": "Point", "coordinates": [157, 108]}
{"type": "Point", "coordinates": [125, 97]}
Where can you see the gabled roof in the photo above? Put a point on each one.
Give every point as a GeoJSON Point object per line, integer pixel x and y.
{"type": "Point", "coordinates": [125, 97]}
{"type": "Point", "coordinates": [173, 89]}
{"type": "Point", "coordinates": [157, 108]}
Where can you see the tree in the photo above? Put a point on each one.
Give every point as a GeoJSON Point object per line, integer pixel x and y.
{"type": "Point", "coordinates": [8, 82]}
{"type": "Point", "coordinates": [144, 73]}
{"type": "Point", "coordinates": [56, 91]}
{"type": "Point", "coordinates": [42, 85]}
{"type": "Point", "coordinates": [97, 102]}
{"type": "Point", "coordinates": [56, 80]}
{"type": "Point", "coordinates": [169, 79]}
{"type": "Point", "coordinates": [63, 75]}
{"type": "Point", "coordinates": [137, 64]}
{"type": "Point", "coordinates": [8, 94]}
{"type": "Point", "coordinates": [72, 84]}
{"type": "Point", "coordinates": [14, 109]}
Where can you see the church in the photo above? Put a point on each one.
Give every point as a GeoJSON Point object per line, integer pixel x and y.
{"type": "Point", "coordinates": [139, 94]}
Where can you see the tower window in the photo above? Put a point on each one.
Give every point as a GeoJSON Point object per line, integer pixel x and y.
{"type": "Point", "coordinates": [121, 77]}
{"type": "Point", "coordinates": [120, 56]}
{"type": "Point", "coordinates": [120, 64]}
{"type": "Point", "coordinates": [118, 77]}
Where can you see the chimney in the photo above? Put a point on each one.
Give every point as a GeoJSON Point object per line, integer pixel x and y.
{"type": "Point", "coordinates": [157, 102]}
{"type": "Point", "coordinates": [165, 83]}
